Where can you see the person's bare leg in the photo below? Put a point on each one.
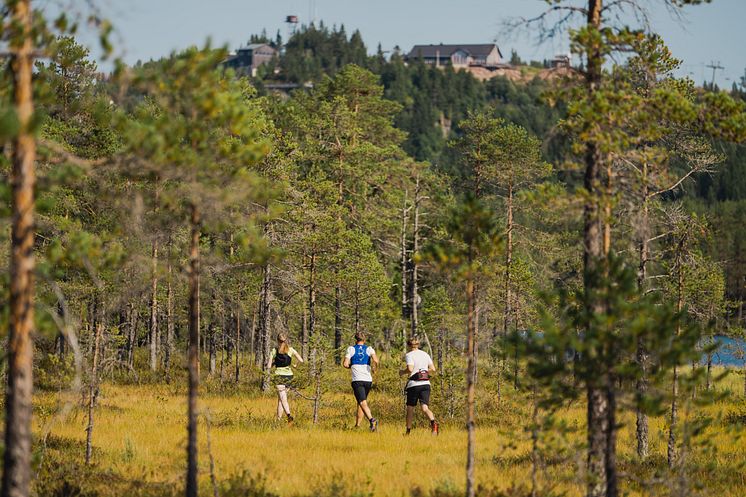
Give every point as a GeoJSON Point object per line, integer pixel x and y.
{"type": "Point", "coordinates": [279, 404]}
{"type": "Point", "coordinates": [365, 410]}
{"type": "Point", "coordinates": [284, 400]}
{"type": "Point", "coordinates": [410, 416]}
{"type": "Point", "coordinates": [359, 416]}
{"type": "Point", "coordinates": [428, 412]}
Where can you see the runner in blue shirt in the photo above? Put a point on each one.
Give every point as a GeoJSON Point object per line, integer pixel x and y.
{"type": "Point", "coordinates": [359, 359]}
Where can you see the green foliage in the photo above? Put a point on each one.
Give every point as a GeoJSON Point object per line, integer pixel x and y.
{"type": "Point", "coordinates": [582, 347]}
{"type": "Point", "coordinates": [315, 52]}
{"type": "Point", "coordinates": [473, 232]}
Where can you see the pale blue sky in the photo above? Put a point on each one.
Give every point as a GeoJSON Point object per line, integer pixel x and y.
{"type": "Point", "coordinates": [152, 28]}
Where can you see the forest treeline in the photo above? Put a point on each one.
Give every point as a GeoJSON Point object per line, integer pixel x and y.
{"type": "Point", "coordinates": [435, 101]}
{"type": "Point", "coordinates": [585, 249]}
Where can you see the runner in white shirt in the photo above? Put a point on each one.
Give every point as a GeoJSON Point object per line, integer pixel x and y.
{"type": "Point", "coordinates": [359, 359]}
{"type": "Point", "coordinates": [418, 363]}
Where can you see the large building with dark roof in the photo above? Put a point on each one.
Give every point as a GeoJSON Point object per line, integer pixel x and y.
{"type": "Point", "coordinates": [486, 55]}
{"type": "Point", "coordinates": [247, 59]}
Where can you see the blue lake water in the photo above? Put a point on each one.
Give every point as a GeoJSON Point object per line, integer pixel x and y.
{"type": "Point", "coordinates": [729, 353]}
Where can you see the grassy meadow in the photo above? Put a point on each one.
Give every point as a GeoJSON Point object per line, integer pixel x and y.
{"type": "Point", "coordinates": [140, 441]}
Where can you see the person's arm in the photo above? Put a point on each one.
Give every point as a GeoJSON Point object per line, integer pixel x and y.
{"type": "Point", "coordinates": [408, 370]}
{"type": "Point", "coordinates": [348, 356]}
{"type": "Point", "coordinates": [297, 356]}
{"type": "Point", "coordinates": [431, 367]}
{"type": "Point", "coordinates": [374, 361]}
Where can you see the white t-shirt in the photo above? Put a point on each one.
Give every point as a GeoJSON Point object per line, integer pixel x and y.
{"type": "Point", "coordinates": [360, 372]}
{"type": "Point", "coordinates": [418, 359]}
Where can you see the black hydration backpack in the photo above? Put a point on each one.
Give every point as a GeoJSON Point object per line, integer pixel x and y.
{"type": "Point", "coordinates": [282, 360]}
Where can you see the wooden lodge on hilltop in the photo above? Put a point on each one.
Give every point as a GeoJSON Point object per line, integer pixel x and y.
{"type": "Point", "coordinates": [245, 61]}
{"type": "Point", "coordinates": [459, 56]}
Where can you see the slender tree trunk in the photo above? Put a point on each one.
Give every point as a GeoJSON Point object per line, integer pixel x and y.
{"type": "Point", "coordinates": [312, 309]}
{"type": "Point", "coordinates": [672, 451]}
{"type": "Point", "coordinates": [237, 346]}
{"type": "Point", "coordinates": [534, 442]}
{"type": "Point", "coordinates": [470, 384]}
{"type": "Point", "coordinates": [193, 359]}
{"type": "Point", "coordinates": [18, 409]}
{"type": "Point", "coordinates": [93, 393]}
{"type": "Point", "coordinates": [441, 346]}
{"type": "Point", "coordinates": [132, 339]}
{"type": "Point", "coordinates": [507, 310]}
{"type": "Point", "coordinates": [154, 309]}
{"type": "Point", "coordinates": [169, 324]}
{"type": "Point", "coordinates": [674, 415]}
{"type": "Point", "coordinates": [357, 307]}
{"type": "Point", "coordinates": [94, 320]}
{"type": "Point", "coordinates": [318, 367]}
{"type": "Point", "coordinates": [304, 333]}
{"type": "Point", "coordinates": [258, 334]}
{"type": "Point", "coordinates": [415, 248]}
{"type": "Point", "coordinates": [213, 477]}
{"type": "Point", "coordinates": [266, 327]}
{"type": "Point", "coordinates": [642, 356]}
{"type": "Point", "coordinates": [404, 288]}
{"type": "Point", "coordinates": [252, 331]}
{"type": "Point", "coordinates": [601, 476]}
{"type": "Point", "coordinates": [211, 347]}
{"type": "Point", "coordinates": [338, 324]}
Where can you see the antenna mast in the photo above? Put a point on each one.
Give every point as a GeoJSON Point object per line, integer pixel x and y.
{"type": "Point", "coordinates": [715, 66]}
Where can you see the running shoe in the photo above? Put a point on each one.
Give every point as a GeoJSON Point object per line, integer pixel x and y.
{"type": "Point", "coordinates": [435, 427]}
{"type": "Point", "coordinates": [373, 424]}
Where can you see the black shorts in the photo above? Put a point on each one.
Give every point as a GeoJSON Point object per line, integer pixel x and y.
{"type": "Point", "coordinates": [419, 392]}
{"type": "Point", "coordinates": [283, 379]}
{"type": "Point", "coordinates": [361, 390]}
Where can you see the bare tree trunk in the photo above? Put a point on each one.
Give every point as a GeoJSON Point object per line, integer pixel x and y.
{"type": "Point", "coordinates": [357, 307]}
{"type": "Point", "coordinates": [415, 248]}
{"type": "Point", "coordinates": [534, 442]}
{"type": "Point", "coordinates": [252, 331]}
{"type": "Point", "coordinates": [94, 320]}
{"type": "Point", "coordinates": [257, 335]}
{"type": "Point", "coordinates": [672, 451]}
{"type": "Point", "coordinates": [211, 347]}
{"type": "Point", "coordinates": [642, 356]}
{"type": "Point", "coordinates": [318, 368]}
{"type": "Point", "coordinates": [304, 333]}
{"type": "Point", "coordinates": [132, 338]}
{"type": "Point", "coordinates": [338, 324]}
{"type": "Point", "coordinates": [18, 408]}
{"type": "Point", "coordinates": [601, 476]}
{"type": "Point", "coordinates": [169, 323]}
{"type": "Point", "coordinates": [441, 345]}
{"type": "Point", "coordinates": [93, 393]}
{"type": "Point", "coordinates": [193, 360]}
{"type": "Point", "coordinates": [237, 346]}
{"type": "Point", "coordinates": [213, 477]}
{"type": "Point", "coordinates": [154, 309]}
{"type": "Point", "coordinates": [312, 309]}
{"type": "Point", "coordinates": [404, 288]}
{"type": "Point", "coordinates": [266, 325]}
{"type": "Point", "coordinates": [470, 384]}
{"type": "Point", "coordinates": [507, 310]}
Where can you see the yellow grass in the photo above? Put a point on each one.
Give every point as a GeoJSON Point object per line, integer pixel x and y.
{"type": "Point", "coordinates": [140, 438]}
